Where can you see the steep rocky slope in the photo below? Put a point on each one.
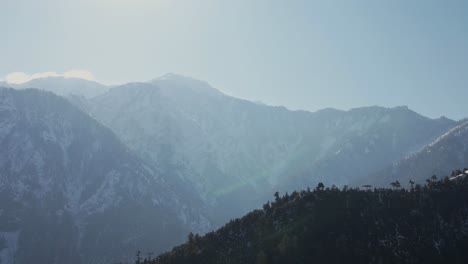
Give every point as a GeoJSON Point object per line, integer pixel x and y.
{"type": "Point", "coordinates": [236, 153]}
{"type": "Point", "coordinates": [71, 192]}
{"type": "Point", "coordinates": [437, 158]}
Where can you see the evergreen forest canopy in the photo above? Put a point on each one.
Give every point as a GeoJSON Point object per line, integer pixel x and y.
{"type": "Point", "coordinates": [422, 224]}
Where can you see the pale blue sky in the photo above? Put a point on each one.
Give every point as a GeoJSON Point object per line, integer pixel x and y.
{"type": "Point", "coordinates": [301, 54]}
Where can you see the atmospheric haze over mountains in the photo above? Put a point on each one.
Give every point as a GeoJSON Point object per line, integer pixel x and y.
{"type": "Point", "coordinates": [92, 173]}
{"type": "Point", "coordinates": [291, 131]}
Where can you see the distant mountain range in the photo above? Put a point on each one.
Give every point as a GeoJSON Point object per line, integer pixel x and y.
{"type": "Point", "coordinates": [63, 86]}
{"type": "Point", "coordinates": [175, 155]}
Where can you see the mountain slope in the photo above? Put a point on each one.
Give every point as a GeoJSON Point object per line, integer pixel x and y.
{"type": "Point", "coordinates": [423, 225]}
{"type": "Point", "coordinates": [363, 140]}
{"type": "Point", "coordinates": [65, 86]}
{"type": "Point", "coordinates": [437, 158]}
{"type": "Point", "coordinates": [71, 192]}
{"type": "Point", "coordinates": [236, 153]}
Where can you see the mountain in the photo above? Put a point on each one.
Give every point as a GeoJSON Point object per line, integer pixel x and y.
{"type": "Point", "coordinates": [235, 153]}
{"type": "Point", "coordinates": [102, 172]}
{"type": "Point", "coordinates": [363, 140]}
{"type": "Point", "coordinates": [71, 192]}
{"type": "Point", "coordinates": [64, 86]}
{"type": "Point", "coordinates": [328, 225]}
{"type": "Point", "coordinates": [437, 158]}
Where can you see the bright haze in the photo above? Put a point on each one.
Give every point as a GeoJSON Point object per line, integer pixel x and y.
{"type": "Point", "coordinates": [301, 54]}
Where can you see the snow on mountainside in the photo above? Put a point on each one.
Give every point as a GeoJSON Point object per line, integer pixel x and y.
{"type": "Point", "coordinates": [178, 152]}
{"type": "Point", "coordinates": [370, 138]}
{"type": "Point", "coordinates": [64, 86]}
{"type": "Point", "coordinates": [437, 158]}
{"type": "Point", "coordinates": [71, 192]}
{"type": "Point", "coordinates": [236, 153]}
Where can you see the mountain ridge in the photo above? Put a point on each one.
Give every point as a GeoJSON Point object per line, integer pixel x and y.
{"type": "Point", "coordinates": [231, 149]}
{"type": "Point", "coordinates": [435, 158]}
{"type": "Point", "coordinates": [64, 86]}
{"type": "Point", "coordinates": [66, 181]}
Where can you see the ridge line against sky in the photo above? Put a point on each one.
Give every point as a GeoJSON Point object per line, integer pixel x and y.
{"type": "Point", "coordinates": [22, 77]}
{"type": "Point", "coordinates": [302, 54]}
{"type": "Point", "coordinates": [86, 75]}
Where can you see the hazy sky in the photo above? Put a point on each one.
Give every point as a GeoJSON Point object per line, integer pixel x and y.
{"type": "Point", "coordinates": [301, 54]}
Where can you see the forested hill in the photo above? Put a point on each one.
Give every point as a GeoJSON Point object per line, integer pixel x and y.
{"type": "Point", "coordinates": [424, 224]}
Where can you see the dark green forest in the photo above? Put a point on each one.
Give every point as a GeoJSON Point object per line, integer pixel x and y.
{"type": "Point", "coordinates": [421, 224]}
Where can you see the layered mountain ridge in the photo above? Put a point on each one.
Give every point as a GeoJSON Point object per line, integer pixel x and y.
{"type": "Point", "coordinates": [236, 153]}
{"type": "Point", "coordinates": [63, 86]}
{"type": "Point", "coordinates": [174, 155]}
{"type": "Point", "coordinates": [450, 150]}
{"type": "Point", "coordinates": [71, 192]}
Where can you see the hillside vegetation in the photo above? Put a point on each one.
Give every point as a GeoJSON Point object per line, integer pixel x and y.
{"type": "Point", "coordinates": [423, 224]}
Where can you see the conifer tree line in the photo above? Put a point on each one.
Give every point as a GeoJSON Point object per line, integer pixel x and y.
{"type": "Point", "coordinates": [422, 223]}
